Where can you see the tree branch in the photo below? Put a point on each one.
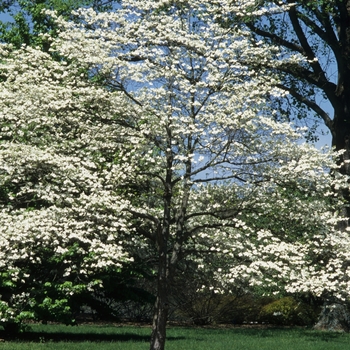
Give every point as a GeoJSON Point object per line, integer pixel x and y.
{"type": "Point", "coordinates": [311, 104]}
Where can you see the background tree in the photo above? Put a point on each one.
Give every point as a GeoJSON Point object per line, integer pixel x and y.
{"type": "Point", "coordinates": [318, 31]}
{"type": "Point", "coordinates": [29, 21]}
{"type": "Point", "coordinates": [58, 239]}
{"type": "Point", "coordinates": [26, 25]}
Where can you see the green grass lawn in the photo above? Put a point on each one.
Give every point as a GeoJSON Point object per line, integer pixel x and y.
{"type": "Point", "coordinates": [56, 337]}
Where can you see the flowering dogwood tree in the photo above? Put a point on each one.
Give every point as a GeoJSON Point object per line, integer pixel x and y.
{"type": "Point", "coordinates": [56, 220]}
{"type": "Point", "coordinates": [149, 131]}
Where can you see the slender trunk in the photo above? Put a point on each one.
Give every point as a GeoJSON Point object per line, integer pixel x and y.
{"type": "Point", "coordinates": [161, 307]}
{"type": "Point", "coordinates": [168, 257]}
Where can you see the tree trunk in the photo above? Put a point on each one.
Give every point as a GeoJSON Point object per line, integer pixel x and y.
{"type": "Point", "coordinates": [161, 307]}
{"type": "Point", "coordinates": [334, 317]}
{"type": "Point", "coordinates": [159, 323]}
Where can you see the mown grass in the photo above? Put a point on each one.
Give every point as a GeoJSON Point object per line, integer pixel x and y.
{"type": "Point", "coordinates": [86, 337]}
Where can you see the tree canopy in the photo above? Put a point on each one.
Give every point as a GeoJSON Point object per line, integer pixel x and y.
{"type": "Point", "coordinates": [28, 20]}
{"type": "Point", "coordinates": [319, 31]}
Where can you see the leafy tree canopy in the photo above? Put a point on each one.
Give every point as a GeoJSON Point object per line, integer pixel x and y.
{"type": "Point", "coordinates": [319, 32]}
{"type": "Point", "coordinates": [29, 21]}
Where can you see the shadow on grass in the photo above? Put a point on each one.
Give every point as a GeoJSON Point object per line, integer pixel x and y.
{"type": "Point", "coordinates": [324, 336]}
{"type": "Point", "coordinates": [36, 336]}
{"type": "Point", "coordinates": [79, 337]}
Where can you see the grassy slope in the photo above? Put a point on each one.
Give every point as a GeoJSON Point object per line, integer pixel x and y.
{"type": "Point", "coordinates": [54, 337]}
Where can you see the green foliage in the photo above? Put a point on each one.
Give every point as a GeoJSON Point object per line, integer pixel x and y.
{"type": "Point", "coordinates": [12, 319]}
{"type": "Point", "coordinates": [56, 309]}
{"type": "Point", "coordinates": [287, 311]}
{"type": "Point", "coordinates": [40, 290]}
{"type": "Point", "coordinates": [29, 21]}
{"type": "Point", "coordinates": [61, 300]}
{"type": "Point", "coordinates": [205, 308]}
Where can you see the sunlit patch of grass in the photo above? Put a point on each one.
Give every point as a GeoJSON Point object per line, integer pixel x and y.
{"type": "Point", "coordinates": [90, 337]}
